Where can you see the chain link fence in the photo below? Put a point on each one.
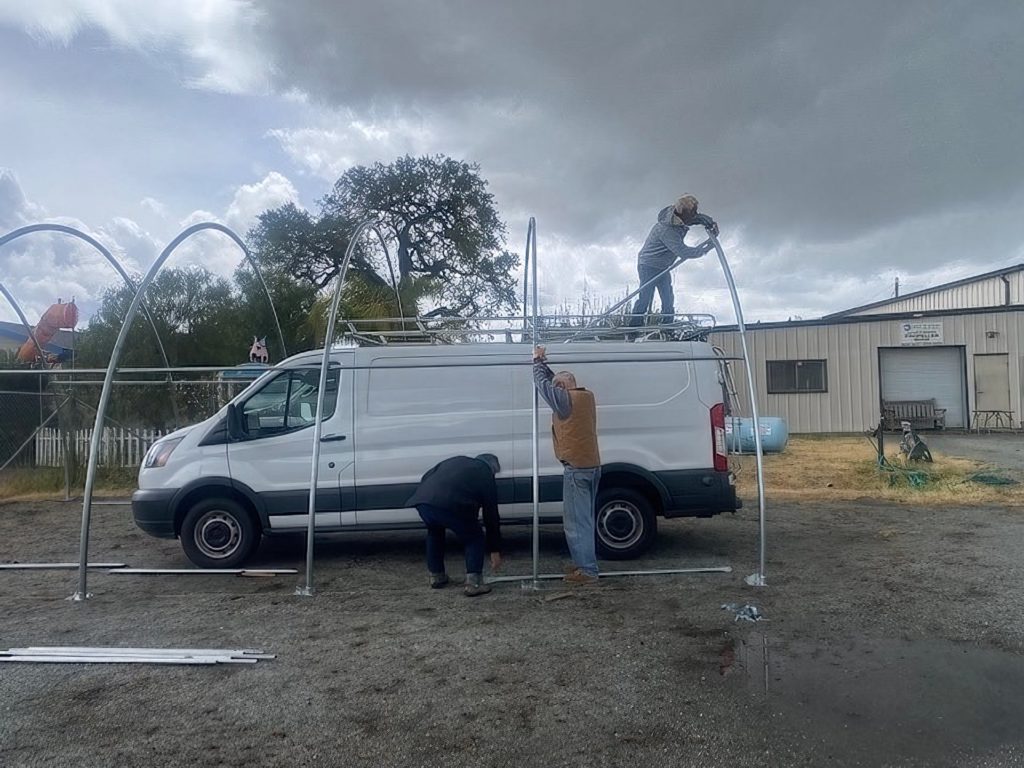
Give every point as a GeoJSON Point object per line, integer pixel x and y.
{"type": "Point", "coordinates": [47, 420]}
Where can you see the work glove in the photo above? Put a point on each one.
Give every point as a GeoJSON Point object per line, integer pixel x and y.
{"type": "Point", "coordinates": [707, 222]}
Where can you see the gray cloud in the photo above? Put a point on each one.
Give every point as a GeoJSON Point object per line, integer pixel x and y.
{"type": "Point", "coordinates": [839, 144]}
{"type": "Point", "coordinates": [816, 130]}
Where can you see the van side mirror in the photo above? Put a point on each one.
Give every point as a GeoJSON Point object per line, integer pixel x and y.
{"type": "Point", "coordinates": [235, 431]}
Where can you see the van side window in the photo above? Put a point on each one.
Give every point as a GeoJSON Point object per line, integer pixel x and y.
{"type": "Point", "coordinates": [288, 402]}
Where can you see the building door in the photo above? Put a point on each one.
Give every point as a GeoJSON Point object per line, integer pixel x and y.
{"type": "Point", "coordinates": [926, 373]}
{"type": "Point", "coordinates": [992, 382]}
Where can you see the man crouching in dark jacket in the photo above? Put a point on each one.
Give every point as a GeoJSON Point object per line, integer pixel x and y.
{"type": "Point", "coordinates": [450, 496]}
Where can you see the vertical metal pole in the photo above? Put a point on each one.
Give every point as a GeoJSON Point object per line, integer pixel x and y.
{"type": "Point", "coordinates": [101, 410]}
{"type": "Point", "coordinates": [526, 281]}
{"type": "Point", "coordinates": [62, 433]}
{"type": "Point", "coordinates": [531, 245]}
{"type": "Point", "coordinates": [306, 590]}
{"type": "Point", "coordinates": [756, 579]}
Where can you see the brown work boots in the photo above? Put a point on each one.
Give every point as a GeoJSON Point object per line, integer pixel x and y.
{"type": "Point", "coordinates": [577, 578]}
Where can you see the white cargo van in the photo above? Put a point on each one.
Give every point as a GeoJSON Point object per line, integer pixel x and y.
{"type": "Point", "coordinates": [392, 412]}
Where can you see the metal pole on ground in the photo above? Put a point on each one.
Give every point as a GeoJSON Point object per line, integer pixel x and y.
{"type": "Point", "coordinates": [101, 409]}
{"type": "Point", "coordinates": [758, 579]}
{"type": "Point", "coordinates": [306, 590]}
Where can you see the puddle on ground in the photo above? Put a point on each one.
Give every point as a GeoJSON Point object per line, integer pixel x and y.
{"type": "Point", "coordinates": [923, 699]}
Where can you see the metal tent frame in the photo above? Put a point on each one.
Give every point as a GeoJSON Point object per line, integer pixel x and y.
{"type": "Point", "coordinates": [81, 593]}
{"type": "Point", "coordinates": [534, 579]}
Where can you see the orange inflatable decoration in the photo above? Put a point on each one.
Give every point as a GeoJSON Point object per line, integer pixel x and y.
{"type": "Point", "coordinates": [58, 316]}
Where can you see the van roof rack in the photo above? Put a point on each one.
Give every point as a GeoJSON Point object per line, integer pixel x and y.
{"type": "Point", "coordinates": [438, 329]}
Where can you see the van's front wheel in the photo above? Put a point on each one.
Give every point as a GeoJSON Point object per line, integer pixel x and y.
{"type": "Point", "coordinates": [219, 533]}
{"type": "Point", "coordinates": [625, 525]}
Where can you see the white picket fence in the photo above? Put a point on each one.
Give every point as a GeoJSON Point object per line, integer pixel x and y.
{"type": "Point", "coordinates": [119, 447]}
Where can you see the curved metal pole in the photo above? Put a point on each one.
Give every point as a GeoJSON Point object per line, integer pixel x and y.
{"type": "Point", "coordinates": [24, 320]}
{"type": "Point", "coordinates": [394, 282]}
{"type": "Point", "coordinates": [111, 259]}
{"type": "Point", "coordinates": [101, 408]}
{"type": "Point", "coordinates": [531, 245]}
{"type": "Point", "coordinates": [259, 275]}
{"type": "Point", "coordinates": [306, 590]}
{"type": "Point", "coordinates": [66, 230]}
{"type": "Point", "coordinates": [756, 579]}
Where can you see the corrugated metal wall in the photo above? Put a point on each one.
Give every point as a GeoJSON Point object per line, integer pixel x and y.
{"type": "Point", "coordinates": [851, 351]}
{"type": "Point", "coordinates": [990, 292]}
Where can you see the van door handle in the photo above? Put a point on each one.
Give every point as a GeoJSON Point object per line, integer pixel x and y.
{"type": "Point", "coordinates": [332, 438]}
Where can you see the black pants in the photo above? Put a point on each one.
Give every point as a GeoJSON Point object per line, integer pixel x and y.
{"type": "Point", "coordinates": [467, 530]}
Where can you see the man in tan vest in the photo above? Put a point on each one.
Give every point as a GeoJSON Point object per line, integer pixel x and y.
{"type": "Point", "coordinates": [574, 430]}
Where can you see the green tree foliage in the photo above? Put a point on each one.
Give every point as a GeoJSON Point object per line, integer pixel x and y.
{"type": "Point", "coordinates": [294, 301]}
{"type": "Point", "coordinates": [446, 237]}
{"type": "Point", "coordinates": [196, 315]}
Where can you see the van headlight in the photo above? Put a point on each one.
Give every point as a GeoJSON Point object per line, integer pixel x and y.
{"type": "Point", "coordinates": [161, 451]}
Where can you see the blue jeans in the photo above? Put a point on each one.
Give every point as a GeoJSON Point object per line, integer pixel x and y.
{"type": "Point", "coordinates": [467, 530]}
{"type": "Point", "coordinates": [579, 493]}
{"type": "Point", "coordinates": [643, 302]}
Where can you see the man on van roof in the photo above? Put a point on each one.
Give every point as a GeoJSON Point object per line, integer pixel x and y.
{"type": "Point", "coordinates": [574, 429]}
{"type": "Point", "coordinates": [664, 246]}
{"type": "Point", "coordinates": [450, 496]}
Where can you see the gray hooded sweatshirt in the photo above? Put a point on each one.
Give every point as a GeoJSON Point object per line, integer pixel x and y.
{"type": "Point", "coordinates": [665, 243]}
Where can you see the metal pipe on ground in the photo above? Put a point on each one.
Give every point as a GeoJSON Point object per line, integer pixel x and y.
{"type": "Point", "coordinates": [613, 574]}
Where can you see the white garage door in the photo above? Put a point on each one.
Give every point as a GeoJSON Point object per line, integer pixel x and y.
{"type": "Point", "coordinates": [923, 373]}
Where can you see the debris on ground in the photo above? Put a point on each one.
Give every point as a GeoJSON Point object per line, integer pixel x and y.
{"type": "Point", "coordinates": [743, 612]}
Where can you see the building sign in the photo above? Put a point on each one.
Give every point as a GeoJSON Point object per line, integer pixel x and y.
{"type": "Point", "coordinates": [919, 334]}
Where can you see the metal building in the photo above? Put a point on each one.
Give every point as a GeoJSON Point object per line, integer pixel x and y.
{"type": "Point", "coordinates": [958, 344]}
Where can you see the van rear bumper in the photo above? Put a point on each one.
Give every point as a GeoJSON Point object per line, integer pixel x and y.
{"type": "Point", "coordinates": [697, 493]}
{"type": "Point", "coordinates": [153, 511]}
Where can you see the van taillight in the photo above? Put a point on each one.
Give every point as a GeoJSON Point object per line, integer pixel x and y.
{"type": "Point", "coordinates": [718, 438]}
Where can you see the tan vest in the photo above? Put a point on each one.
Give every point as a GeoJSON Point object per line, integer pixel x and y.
{"type": "Point", "coordinates": [576, 437]}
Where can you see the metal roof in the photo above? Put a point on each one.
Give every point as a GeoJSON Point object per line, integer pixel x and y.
{"type": "Point", "coordinates": [61, 341]}
{"type": "Point", "coordinates": [926, 291]}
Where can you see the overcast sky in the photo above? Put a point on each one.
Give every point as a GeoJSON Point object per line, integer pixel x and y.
{"type": "Point", "coordinates": [838, 144]}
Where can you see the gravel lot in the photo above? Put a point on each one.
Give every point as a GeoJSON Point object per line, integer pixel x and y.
{"type": "Point", "coordinates": [894, 637]}
{"type": "Point", "coordinates": [1000, 449]}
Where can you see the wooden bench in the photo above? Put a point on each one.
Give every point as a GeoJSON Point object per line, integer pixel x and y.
{"type": "Point", "coordinates": [922, 414]}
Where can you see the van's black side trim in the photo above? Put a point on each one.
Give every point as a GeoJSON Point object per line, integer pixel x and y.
{"type": "Point", "coordinates": [684, 493]}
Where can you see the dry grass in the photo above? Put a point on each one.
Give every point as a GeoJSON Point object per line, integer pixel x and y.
{"type": "Point", "coordinates": [845, 468]}
{"type": "Point", "coordinates": [47, 484]}
{"type": "Point", "coordinates": [811, 469]}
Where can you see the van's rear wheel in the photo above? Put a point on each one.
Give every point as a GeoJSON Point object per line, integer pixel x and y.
{"type": "Point", "coordinates": [219, 533]}
{"type": "Point", "coordinates": [626, 524]}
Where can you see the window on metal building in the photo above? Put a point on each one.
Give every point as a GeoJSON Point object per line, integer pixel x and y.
{"type": "Point", "coordinates": [795, 376]}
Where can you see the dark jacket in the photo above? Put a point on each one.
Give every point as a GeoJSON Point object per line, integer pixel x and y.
{"type": "Point", "coordinates": [463, 486]}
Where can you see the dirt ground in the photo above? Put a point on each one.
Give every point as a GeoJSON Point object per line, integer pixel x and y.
{"type": "Point", "coordinates": [893, 637]}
